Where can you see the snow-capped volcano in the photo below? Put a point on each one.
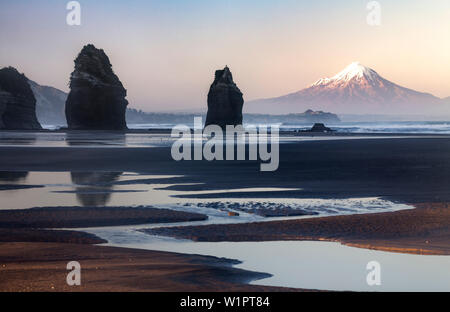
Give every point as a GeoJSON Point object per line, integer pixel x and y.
{"type": "Point", "coordinates": [355, 90]}
{"type": "Point", "coordinates": [353, 71]}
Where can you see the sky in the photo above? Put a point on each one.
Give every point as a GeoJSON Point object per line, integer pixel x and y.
{"type": "Point", "coordinates": [165, 52]}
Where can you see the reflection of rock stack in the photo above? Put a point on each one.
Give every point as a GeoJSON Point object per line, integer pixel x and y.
{"type": "Point", "coordinates": [225, 101]}
{"type": "Point", "coordinates": [13, 176]}
{"type": "Point", "coordinates": [320, 127]}
{"type": "Point", "coordinates": [97, 97]}
{"type": "Point", "coordinates": [17, 102]}
{"type": "Point", "coordinates": [94, 188]}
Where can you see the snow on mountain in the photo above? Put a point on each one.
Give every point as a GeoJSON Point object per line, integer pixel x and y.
{"type": "Point", "coordinates": [355, 90]}
{"type": "Point", "coordinates": [353, 71]}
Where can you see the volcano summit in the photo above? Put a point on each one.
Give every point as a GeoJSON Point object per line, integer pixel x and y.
{"type": "Point", "coordinates": [355, 90]}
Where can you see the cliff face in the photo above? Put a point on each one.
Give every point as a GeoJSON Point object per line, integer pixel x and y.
{"type": "Point", "coordinates": [225, 101]}
{"type": "Point", "coordinates": [17, 102]}
{"type": "Point", "coordinates": [97, 97]}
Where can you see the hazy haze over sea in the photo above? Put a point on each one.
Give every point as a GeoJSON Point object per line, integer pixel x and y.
{"type": "Point", "coordinates": [429, 127]}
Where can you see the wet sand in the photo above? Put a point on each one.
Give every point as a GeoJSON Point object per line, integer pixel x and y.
{"type": "Point", "coordinates": [50, 236]}
{"type": "Point", "coordinates": [81, 217]}
{"type": "Point", "coordinates": [408, 170]}
{"type": "Point", "coordinates": [42, 267]}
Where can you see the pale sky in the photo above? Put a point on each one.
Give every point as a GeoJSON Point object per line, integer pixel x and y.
{"type": "Point", "coordinates": [165, 52]}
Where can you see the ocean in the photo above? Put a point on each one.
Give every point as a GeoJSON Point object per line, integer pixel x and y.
{"type": "Point", "coordinates": [428, 127]}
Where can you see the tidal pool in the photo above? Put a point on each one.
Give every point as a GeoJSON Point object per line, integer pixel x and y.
{"type": "Point", "coordinates": [306, 264]}
{"type": "Point", "coordinates": [312, 265]}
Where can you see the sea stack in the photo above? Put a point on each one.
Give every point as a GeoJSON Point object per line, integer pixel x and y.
{"type": "Point", "coordinates": [17, 102]}
{"type": "Point", "coordinates": [225, 101]}
{"type": "Point", "coordinates": [97, 97]}
{"type": "Point", "coordinates": [320, 127]}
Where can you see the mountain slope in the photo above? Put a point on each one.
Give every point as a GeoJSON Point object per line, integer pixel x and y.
{"type": "Point", "coordinates": [50, 104]}
{"type": "Point", "coordinates": [356, 89]}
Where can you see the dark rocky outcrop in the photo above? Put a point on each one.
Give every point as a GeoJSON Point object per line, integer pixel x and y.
{"type": "Point", "coordinates": [225, 101]}
{"type": "Point", "coordinates": [17, 102]}
{"type": "Point", "coordinates": [320, 127]}
{"type": "Point", "coordinates": [97, 97]}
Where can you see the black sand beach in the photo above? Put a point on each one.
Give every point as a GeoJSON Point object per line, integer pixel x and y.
{"type": "Point", "coordinates": [404, 169]}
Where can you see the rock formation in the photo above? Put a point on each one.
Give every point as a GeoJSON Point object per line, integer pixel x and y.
{"type": "Point", "coordinates": [97, 97]}
{"type": "Point", "coordinates": [2, 111]}
{"type": "Point", "coordinates": [225, 101]}
{"type": "Point", "coordinates": [50, 104]}
{"type": "Point", "coordinates": [320, 127]}
{"type": "Point", "coordinates": [17, 102]}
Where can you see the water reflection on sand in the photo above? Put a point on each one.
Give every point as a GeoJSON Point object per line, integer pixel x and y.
{"type": "Point", "coordinates": [144, 138]}
{"type": "Point", "coordinates": [318, 265]}
{"type": "Point", "coordinates": [130, 189]}
{"type": "Point", "coordinates": [306, 264]}
{"type": "Point", "coordinates": [83, 139]}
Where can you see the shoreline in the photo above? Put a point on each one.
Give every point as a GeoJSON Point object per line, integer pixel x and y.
{"type": "Point", "coordinates": [168, 131]}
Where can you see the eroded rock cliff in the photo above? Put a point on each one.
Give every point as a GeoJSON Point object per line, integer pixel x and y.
{"type": "Point", "coordinates": [17, 102]}
{"type": "Point", "coordinates": [97, 97]}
